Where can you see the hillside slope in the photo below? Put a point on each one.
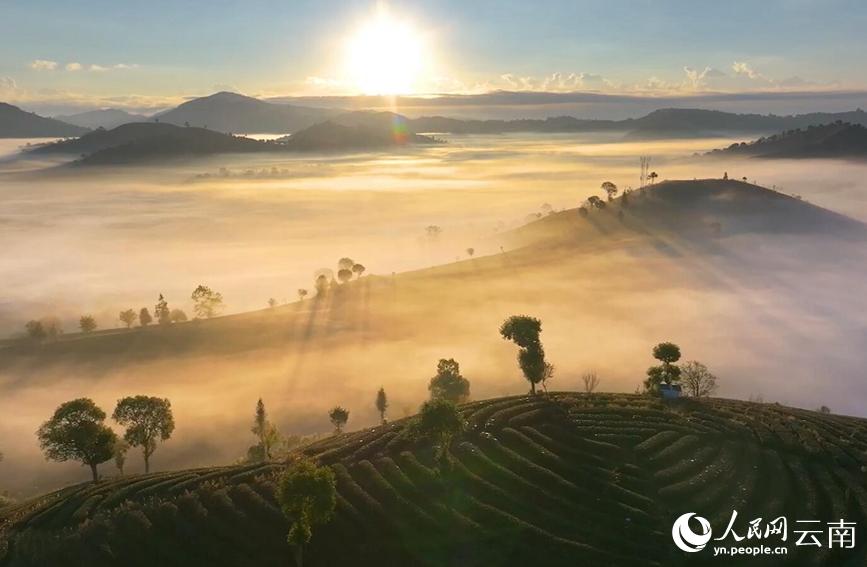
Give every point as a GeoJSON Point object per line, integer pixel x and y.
{"type": "Point", "coordinates": [562, 480]}
{"type": "Point", "coordinates": [15, 123]}
{"type": "Point", "coordinates": [230, 112]}
{"type": "Point", "coordinates": [104, 118]}
{"type": "Point", "coordinates": [836, 140]}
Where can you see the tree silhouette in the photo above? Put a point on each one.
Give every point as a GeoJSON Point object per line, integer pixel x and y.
{"type": "Point", "coordinates": [144, 317]}
{"type": "Point", "coordinates": [77, 432]}
{"type": "Point", "coordinates": [147, 420]}
{"type": "Point", "coordinates": [381, 404]}
{"type": "Point", "coordinates": [321, 285]}
{"type": "Point", "coordinates": [207, 303]}
{"type": "Point", "coordinates": [87, 324]}
{"type": "Point", "coordinates": [178, 316]}
{"type": "Point", "coordinates": [448, 384]}
{"type": "Point", "coordinates": [128, 317]}
{"type": "Point", "coordinates": [36, 331]}
{"type": "Point", "coordinates": [272, 303]}
{"type": "Point", "coordinates": [338, 416]}
{"type": "Point", "coordinates": [594, 201]}
{"type": "Point", "coordinates": [653, 175]}
{"type": "Point", "coordinates": [524, 331]}
{"type": "Point", "coordinates": [162, 312]}
{"type": "Point", "coordinates": [308, 496]}
{"type": "Point", "coordinates": [433, 230]}
{"type": "Point", "coordinates": [470, 252]}
{"type": "Point", "coordinates": [697, 379]}
{"type": "Point", "coordinates": [121, 447]}
{"type": "Point", "coordinates": [260, 429]}
{"type": "Point", "coordinates": [667, 372]}
{"type": "Point", "coordinates": [358, 269]}
{"type": "Point", "coordinates": [344, 275]}
{"type": "Point", "coordinates": [439, 421]}
{"type": "Point", "coordinates": [302, 293]}
{"type": "Point", "coordinates": [345, 264]}
{"type": "Point", "coordinates": [610, 189]}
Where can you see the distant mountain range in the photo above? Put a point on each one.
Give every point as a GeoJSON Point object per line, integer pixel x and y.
{"type": "Point", "coordinates": [105, 118]}
{"type": "Point", "coordinates": [230, 112]}
{"type": "Point", "coordinates": [836, 140]}
{"type": "Point", "coordinates": [157, 141]}
{"type": "Point", "coordinates": [16, 123]}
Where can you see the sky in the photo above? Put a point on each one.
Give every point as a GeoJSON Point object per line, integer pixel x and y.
{"type": "Point", "coordinates": [96, 53]}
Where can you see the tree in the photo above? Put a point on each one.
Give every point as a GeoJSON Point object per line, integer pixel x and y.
{"type": "Point", "coordinates": [344, 275]}
{"type": "Point", "coordinates": [547, 375]}
{"type": "Point", "coordinates": [207, 303]}
{"type": "Point", "coordinates": [825, 409]}
{"type": "Point", "coordinates": [583, 212]}
{"type": "Point", "coordinates": [338, 416]}
{"type": "Point", "coordinates": [186, 124]}
{"type": "Point", "coordinates": [87, 324]}
{"type": "Point", "coordinates": [524, 331]}
{"type": "Point", "coordinates": [448, 384]}
{"type": "Point", "coordinates": [439, 421]}
{"type": "Point", "coordinates": [308, 496]}
{"type": "Point", "coordinates": [345, 264]}
{"type": "Point", "coordinates": [470, 252]}
{"type": "Point", "coordinates": [697, 379]}
{"type": "Point", "coordinates": [591, 381]}
{"type": "Point", "coordinates": [433, 230]}
{"type": "Point", "coordinates": [321, 285]}
{"type": "Point", "coordinates": [610, 189]}
{"type": "Point", "coordinates": [653, 175]}
{"type": "Point", "coordinates": [121, 447]}
{"type": "Point", "coordinates": [302, 293]}
{"type": "Point", "coordinates": [178, 316]}
{"type": "Point", "coordinates": [53, 328]}
{"type": "Point", "coordinates": [128, 317]}
{"type": "Point", "coordinates": [144, 317]}
{"type": "Point", "coordinates": [594, 202]}
{"type": "Point", "coordinates": [77, 432]}
{"type": "Point", "coordinates": [147, 419]}
{"type": "Point", "coordinates": [36, 331]}
{"type": "Point", "coordinates": [272, 303]}
{"type": "Point", "coordinates": [382, 404]}
{"type": "Point", "coordinates": [358, 269]}
{"type": "Point", "coordinates": [162, 312]}
{"type": "Point", "coordinates": [261, 429]}
{"type": "Point", "coordinates": [668, 372]}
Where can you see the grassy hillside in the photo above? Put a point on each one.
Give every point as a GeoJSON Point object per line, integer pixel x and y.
{"type": "Point", "coordinates": [836, 140]}
{"type": "Point", "coordinates": [568, 479]}
{"type": "Point", "coordinates": [15, 123]}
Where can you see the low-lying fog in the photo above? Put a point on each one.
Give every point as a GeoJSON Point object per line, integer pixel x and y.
{"type": "Point", "coordinates": [96, 243]}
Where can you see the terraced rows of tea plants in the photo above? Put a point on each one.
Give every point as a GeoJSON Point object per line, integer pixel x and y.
{"type": "Point", "coordinates": [567, 479]}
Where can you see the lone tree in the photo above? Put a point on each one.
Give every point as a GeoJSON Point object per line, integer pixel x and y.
{"type": "Point", "coordinates": [439, 421]}
{"type": "Point", "coordinates": [524, 331]}
{"type": "Point", "coordinates": [308, 496]}
{"type": "Point", "coordinates": [594, 202]}
{"type": "Point", "coordinates": [272, 303]}
{"type": "Point", "coordinates": [338, 416]}
{"type": "Point", "coordinates": [36, 331]}
{"type": "Point", "coordinates": [344, 275]}
{"type": "Point", "coordinates": [128, 317]}
{"type": "Point", "coordinates": [697, 380]}
{"type": "Point", "coordinates": [87, 324]}
{"type": "Point", "coordinates": [77, 432]}
{"type": "Point", "coordinates": [448, 384]}
{"type": "Point", "coordinates": [321, 285]}
{"type": "Point", "coordinates": [144, 317]}
{"type": "Point", "coordinates": [653, 175]}
{"type": "Point", "coordinates": [121, 447]}
{"type": "Point", "coordinates": [591, 381]}
{"type": "Point", "coordinates": [162, 312]}
{"type": "Point", "coordinates": [147, 419]}
{"type": "Point", "coordinates": [178, 316]}
{"type": "Point", "coordinates": [358, 270]}
{"type": "Point", "coordinates": [382, 404]}
{"type": "Point", "coordinates": [302, 293]}
{"type": "Point", "coordinates": [206, 302]}
{"type": "Point", "coordinates": [470, 252]}
{"type": "Point", "coordinates": [610, 189]}
{"type": "Point", "coordinates": [261, 428]}
{"type": "Point", "coordinates": [667, 372]}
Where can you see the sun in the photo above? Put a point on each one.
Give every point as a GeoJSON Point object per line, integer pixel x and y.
{"type": "Point", "coordinates": [385, 56]}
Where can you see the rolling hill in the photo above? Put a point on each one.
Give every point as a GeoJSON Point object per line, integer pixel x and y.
{"type": "Point", "coordinates": [360, 131]}
{"type": "Point", "coordinates": [107, 118]}
{"type": "Point", "coordinates": [230, 112]}
{"type": "Point", "coordinates": [15, 123]}
{"type": "Point", "coordinates": [836, 140]}
{"type": "Point", "coordinates": [566, 479]}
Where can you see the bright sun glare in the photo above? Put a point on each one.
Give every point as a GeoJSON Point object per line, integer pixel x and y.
{"type": "Point", "coordinates": [385, 56]}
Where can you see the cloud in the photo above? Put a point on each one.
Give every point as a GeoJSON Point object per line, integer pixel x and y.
{"type": "Point", "coordinates": [742, 68]}
{"type": "Point", "coordinates": [74, 67]}
{"type": "Point", "coordinates": [125, 66]}
{"type": "Point", "coordinates": [518, 83]}
{"type": "Point", "coordinates": [222, 87]}
{"type": "Point", "coordinates": [97, 68]}
{"type": "Point", "coordinates": [699, 79]}
{"type": "Point", "coordinates": [9, 89]}
{"type": "Point", "coordinates": [40, 65]}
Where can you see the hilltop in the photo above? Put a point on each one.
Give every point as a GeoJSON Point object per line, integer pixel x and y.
{"type": "Point", "coordinates": [354, 132]}
{"type": "Point", "coordinates": [231, 112]}
{"type": "Point", "coordinates": [566, 479]}
{"type": "Point", "coordinates": [15, 123]}
{"type": "Point", "coordinates": [836, 140]}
